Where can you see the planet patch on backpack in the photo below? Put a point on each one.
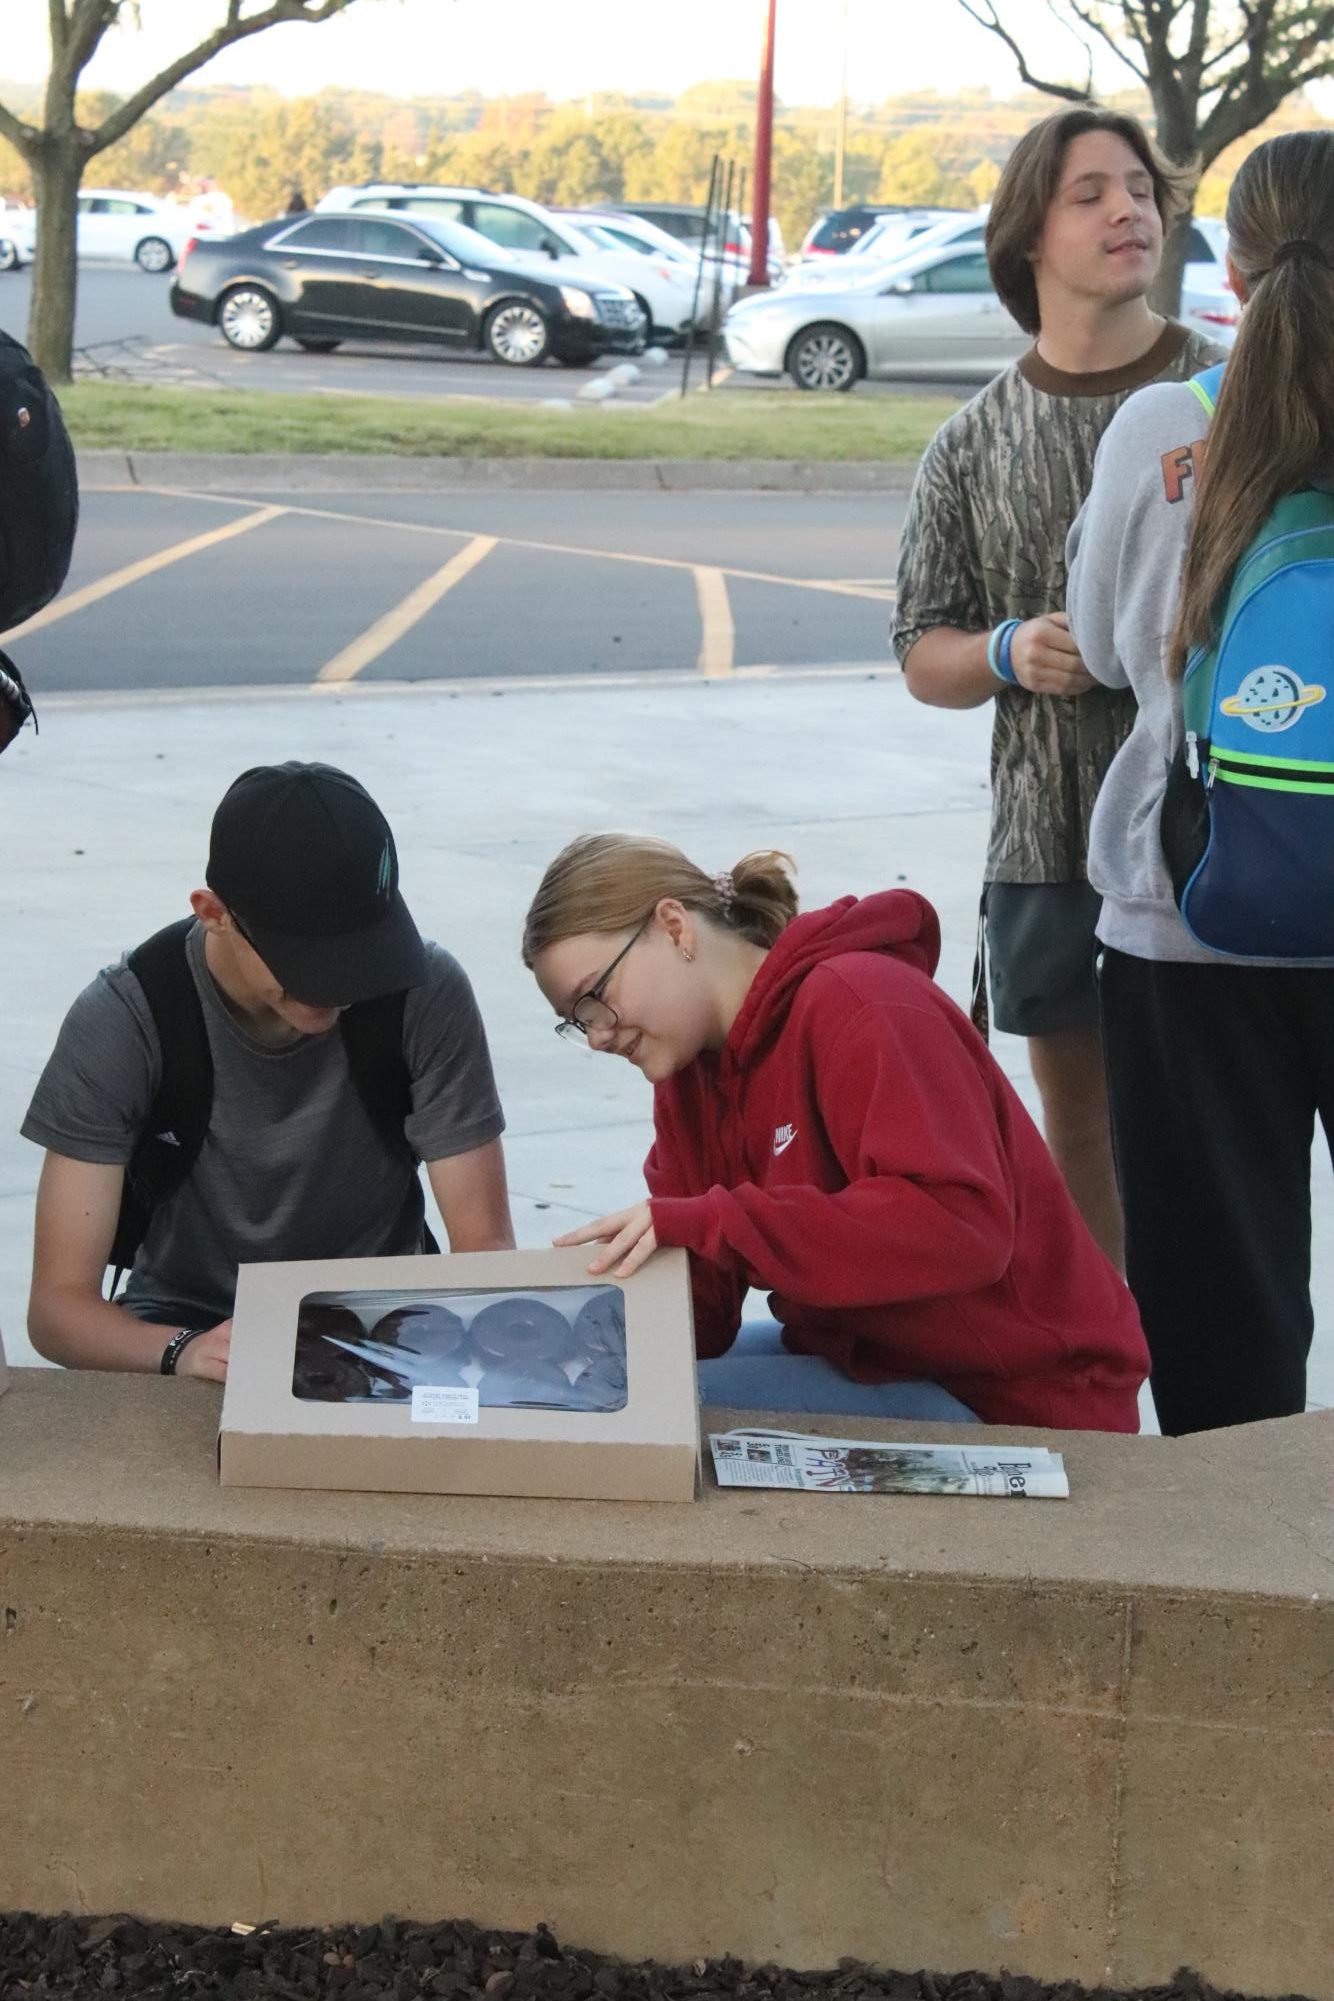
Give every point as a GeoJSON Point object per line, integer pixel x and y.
{"type": "Point", "coordinates": [1271, 699]}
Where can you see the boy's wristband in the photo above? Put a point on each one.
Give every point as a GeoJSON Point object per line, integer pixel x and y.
{"type": "Point", "coordinates": [998, 651]}
{"type": "Point", "coordinates": [171, 1354]}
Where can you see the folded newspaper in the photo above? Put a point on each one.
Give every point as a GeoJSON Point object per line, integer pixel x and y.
{"type": "Point", "coordinates": [869, 1466]}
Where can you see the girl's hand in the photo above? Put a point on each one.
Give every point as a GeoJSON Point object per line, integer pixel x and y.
{"type": "Point", "coordinates": [628, 1236]}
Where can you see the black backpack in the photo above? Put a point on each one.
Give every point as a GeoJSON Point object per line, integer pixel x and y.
{"type": "Point", "coordinates": [39, 489]}
{"type": "Point", "coordinates": [178, 1118]}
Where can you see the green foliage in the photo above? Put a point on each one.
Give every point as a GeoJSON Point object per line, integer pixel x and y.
{"type": "Point", "coordinates": [921, 148]}
{"type": "Point", "coordinates": [756, 425]}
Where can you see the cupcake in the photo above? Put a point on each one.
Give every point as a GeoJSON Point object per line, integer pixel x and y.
{"type": "Point", "coordinates": [517, 1332]}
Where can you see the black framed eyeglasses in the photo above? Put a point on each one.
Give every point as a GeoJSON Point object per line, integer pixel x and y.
{"type": "Point", "coordinates": [591, 1011]}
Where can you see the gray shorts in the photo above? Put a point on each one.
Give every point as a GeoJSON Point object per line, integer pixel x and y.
{"type": "Point", "coordinates": [1041, 943]}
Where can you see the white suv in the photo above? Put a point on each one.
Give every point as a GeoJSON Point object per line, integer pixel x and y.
{"type": "Point", "coordinates": [665, 290]}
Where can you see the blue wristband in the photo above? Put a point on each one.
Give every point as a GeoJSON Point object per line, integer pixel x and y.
{"type": "Point", "coordinates": [998, 651]}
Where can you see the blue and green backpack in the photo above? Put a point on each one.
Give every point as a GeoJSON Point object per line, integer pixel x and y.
{"type": "Point", "coordinates": [1248, 820]}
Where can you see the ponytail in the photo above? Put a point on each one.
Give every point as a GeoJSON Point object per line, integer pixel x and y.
{"type": "Point", "coordinates": [1273, 430]}
{"type": "Point", "coordinates": [614, 882]}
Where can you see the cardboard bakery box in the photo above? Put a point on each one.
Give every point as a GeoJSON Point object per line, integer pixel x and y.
{"type": "Point", "coordinates": [496, 1372]}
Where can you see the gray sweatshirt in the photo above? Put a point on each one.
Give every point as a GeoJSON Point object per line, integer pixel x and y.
{"type": "Point", "coordinates": [1124, 554]}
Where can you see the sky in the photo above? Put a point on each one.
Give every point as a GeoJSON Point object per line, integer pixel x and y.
{"type": "Point", "coordinates": [438, 47]}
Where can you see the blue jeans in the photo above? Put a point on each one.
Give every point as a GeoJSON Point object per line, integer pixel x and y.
{"type": "Point", "coordinates": [758, 1373]}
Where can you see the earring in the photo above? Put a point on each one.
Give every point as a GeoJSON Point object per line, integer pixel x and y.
{"type": "Point", "coordinates": [689, 957]}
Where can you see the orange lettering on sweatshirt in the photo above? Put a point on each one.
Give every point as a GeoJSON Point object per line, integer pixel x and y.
{"type": "Point", "coordinates": [1183, 462]}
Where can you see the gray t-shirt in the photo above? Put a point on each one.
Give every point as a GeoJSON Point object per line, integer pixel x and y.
{"type": "Point", "coordinates": [292, 1165]}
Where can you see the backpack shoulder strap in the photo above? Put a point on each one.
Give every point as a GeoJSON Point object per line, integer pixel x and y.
{"type": "Point", "coordinates": [178, 1117]}
{"type": "Point", "coordinates": [1206, 386]}
{"type": "Point", "coordinates": [373, 1038]}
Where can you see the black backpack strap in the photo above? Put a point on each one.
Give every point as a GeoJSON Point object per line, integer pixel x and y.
{"type": "Point", "coordinates": [179, 1115]}
{"type": "Point", "coordinates": [373, 1037]}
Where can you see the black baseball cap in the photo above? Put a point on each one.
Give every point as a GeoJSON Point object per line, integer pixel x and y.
{"type": "Point", "coordinates": [304, 860]}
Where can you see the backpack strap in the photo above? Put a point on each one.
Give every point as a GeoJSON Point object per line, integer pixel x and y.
{"type": "Point", "coordinates": [178, 1117]}
{"type": "Point", "coordinates": [1206, 386]}
{"type": "Point", "coordinates": [373, 1038]}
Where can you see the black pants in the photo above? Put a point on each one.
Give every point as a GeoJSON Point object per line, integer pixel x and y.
{"type": "Point", "coordinates": [1216, 1074]}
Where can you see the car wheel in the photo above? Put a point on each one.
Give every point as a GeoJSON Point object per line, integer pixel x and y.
{"type": "Point", "coordinates": [317, 346]}
{"type": "Point", "coordinates": [9, 255]}
{"type": "Point", "coordinates": [518, 334]}
{"type": "Point", "coordinates": [248, 317]}
{"type": "Point", "coordinates": [154, 254]}
{"type": "Point", "coordinates": [826, 357]}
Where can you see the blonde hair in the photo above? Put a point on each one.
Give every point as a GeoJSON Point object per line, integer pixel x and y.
{"type": "Point", "coordinates": [613, 882]}
{"type": "Point", "coordinates": [1273, 432]}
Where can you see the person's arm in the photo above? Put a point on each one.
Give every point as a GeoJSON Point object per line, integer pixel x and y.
{"type": "Point", "coordinates": [940, 626]}
{"type": "Point", "coordinates": [947, 668]}
{"type": "Point", "coordinates": [1126, 530]}
{"type": "Point", "coordinates": [472, 1196]}
{"type": "Point", "coordinates": [69, 1321]}
{"type": "Point", "coordinates": [716, 1294]}
{"type": "Point", "coordinates": [929, 1206]}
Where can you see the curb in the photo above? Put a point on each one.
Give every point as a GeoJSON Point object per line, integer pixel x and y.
{"type": "Point", "coordinates": [277, 472]}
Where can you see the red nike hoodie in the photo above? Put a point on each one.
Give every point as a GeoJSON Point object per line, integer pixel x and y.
{"type": "Point", "coordinates": [855, 1148]}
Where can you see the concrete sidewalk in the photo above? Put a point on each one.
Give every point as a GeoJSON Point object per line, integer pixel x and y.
{"type": "Point", "coordinates": [107, 815]}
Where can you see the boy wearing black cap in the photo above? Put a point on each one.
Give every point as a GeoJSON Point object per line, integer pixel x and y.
{"type": "Point", "coordinates": [261, 1083]}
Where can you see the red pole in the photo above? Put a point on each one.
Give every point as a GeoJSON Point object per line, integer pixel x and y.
{"type": "Point", "coordinates": [764, 147]}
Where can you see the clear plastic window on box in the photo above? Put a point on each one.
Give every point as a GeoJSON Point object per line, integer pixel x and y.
{"type": "Point", "coordinates": [560, 1348]}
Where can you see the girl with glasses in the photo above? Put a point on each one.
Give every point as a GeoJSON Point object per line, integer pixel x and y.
{"type": "Point", "coordinates": [829, 1126]}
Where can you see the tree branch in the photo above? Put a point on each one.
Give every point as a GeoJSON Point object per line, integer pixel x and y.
{"type": "Point", "coordinates": [23, 138]}
{"type": "Point", "coordinates": [234, 29]}
{"type": "Point", "coordinates": [1092, 22]}
{"type": "Point", "coordinates": [997, 27]}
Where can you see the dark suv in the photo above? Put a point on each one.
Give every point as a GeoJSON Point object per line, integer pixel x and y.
{"type": "Point", "coordinates": [325, 279]}
{"type": "Point", "coordinates": [838, 229]}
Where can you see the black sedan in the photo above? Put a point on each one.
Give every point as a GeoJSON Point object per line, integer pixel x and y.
{"type": "Point", "coordinates": [324, 279]}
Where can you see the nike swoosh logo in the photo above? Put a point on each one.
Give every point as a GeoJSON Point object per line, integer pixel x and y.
{"type": "Point", "coordinates": [781, 1146]}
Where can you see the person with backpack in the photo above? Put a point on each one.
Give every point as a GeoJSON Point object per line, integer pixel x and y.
{"type": "Point", "coordinates": [39, 512]}
{"type": "Point", "coordinates": [259, 1082]}
{"type": "Point", "coordinates": [1073, 240]}
{"type": "Point", "coordinates": [829, 1125]}
{"type": "Point", "coordinates": [1202, 580]}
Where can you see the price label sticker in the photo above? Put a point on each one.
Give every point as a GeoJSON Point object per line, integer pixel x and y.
{"type": "Point", "coordinates": [434, 1404]}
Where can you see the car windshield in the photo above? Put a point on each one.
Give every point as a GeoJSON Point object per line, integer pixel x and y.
{"type": "Point", "coordinates": [466, 245]}
{"type": "Point", "coordinates": [607, 239]}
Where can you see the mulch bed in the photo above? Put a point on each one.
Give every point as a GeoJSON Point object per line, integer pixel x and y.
{"type": "Point", "coordinates": [73, 1957]}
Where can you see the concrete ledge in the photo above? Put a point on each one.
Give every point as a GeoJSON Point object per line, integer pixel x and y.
{"type": "Point", "coordinates": [277, 472]}
{"type": "Point", "coordinates": [1086, 1740]}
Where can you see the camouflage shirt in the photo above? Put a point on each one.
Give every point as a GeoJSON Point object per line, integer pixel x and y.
{"type": "Point", "coordinates": [984, 540]}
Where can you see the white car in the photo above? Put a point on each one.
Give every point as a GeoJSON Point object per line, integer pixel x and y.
{"type": "Point", "coordinates": [127, 226]}
{"type": "Point", "coordinates": [726, 274]}
{"type": "Point", "coordinates": [934, 314]}
{"type": "Point", "coordinates": [18, 233]}
{"type": "Point", "coordinates": [889, 241]}
{"type": "Point", "coordinates": [665, 291]}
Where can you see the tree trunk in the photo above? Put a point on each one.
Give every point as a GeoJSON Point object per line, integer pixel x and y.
{"type": "Point", "coordinates": [57, 169]}
{"type": "Point", "coordinates": [1165, 292]}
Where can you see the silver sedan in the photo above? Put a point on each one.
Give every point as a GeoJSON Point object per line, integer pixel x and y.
{"type": "Point", "coordinates": [933, 314]}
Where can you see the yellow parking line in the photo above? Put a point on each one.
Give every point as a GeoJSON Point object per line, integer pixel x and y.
{"type": "Point", "coordinates": [718, 640]}
{"type": "Point", "coordinates": [134, 573]}
{"type": "Point", "coordinates": [880, 594]}
{"type": "Point", "coordinates": [387, 631]}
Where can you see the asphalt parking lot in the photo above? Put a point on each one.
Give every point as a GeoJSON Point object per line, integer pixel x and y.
{"type": "Point", "coordinates": [173, 590]}
{"type": "Point", "coordinates": [126, 330]}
